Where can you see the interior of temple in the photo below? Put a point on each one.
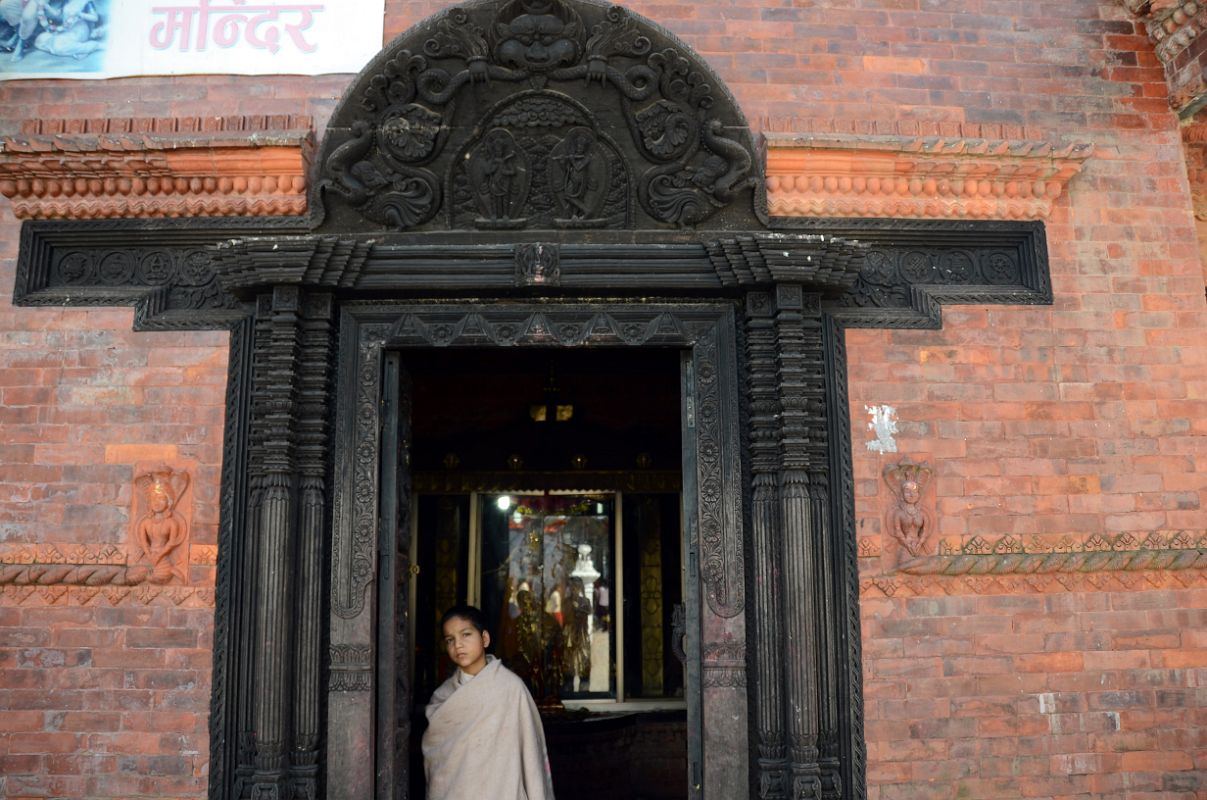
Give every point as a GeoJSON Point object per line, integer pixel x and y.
{"type": "Point", "coordinates": [545, 489]}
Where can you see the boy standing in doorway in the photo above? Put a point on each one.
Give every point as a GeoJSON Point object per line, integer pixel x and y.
{"type": "Point", "coordinates": [484, 736]}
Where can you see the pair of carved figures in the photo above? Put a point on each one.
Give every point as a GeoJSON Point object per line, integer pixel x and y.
{"type": "Point", "coordinates": [501, 173]}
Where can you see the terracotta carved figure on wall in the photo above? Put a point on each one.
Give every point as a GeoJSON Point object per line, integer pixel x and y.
{"type": "Point", "coordinates": [909, 524]}
{"type": "Point", "coordinates": [161, 531]}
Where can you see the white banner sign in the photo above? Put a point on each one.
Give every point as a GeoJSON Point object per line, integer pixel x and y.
{"type": "Point", "coordinates": [113, 38]}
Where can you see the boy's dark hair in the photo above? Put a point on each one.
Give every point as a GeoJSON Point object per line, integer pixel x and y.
{"type": "Point", "coordinates": [470, 614]}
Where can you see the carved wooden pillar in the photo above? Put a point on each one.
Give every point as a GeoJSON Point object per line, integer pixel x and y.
{"type": "Point", "coordinates": [767, 546]}
{"type": "Point", "coordinates": [804, 517]}
{"type": "Point", "coordinates": [314, 377]}
{"type": "Point", "coordinates": [271, 522]}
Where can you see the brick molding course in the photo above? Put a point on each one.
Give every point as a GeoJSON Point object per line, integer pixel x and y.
{"type": "Point", "coordinates": [930, 177]}
{"type": "Point", "coordinates": [171, 167]}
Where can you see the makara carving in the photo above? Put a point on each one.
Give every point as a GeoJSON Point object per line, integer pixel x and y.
{"type": "Point", "coordinates": [554, 78]}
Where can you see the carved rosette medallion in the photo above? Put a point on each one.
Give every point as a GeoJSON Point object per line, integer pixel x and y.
{"type": "Point", "coordinates": [482, 113]}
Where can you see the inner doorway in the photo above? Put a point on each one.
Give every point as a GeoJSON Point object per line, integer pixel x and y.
{"type": "Point", "coordinates": [546, 488]}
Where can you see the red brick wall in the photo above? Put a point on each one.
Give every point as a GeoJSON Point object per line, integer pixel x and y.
{"type": "Point", "coordinates": [1086, 417]}
{"type": "Point", "coordinates": [104, 692]}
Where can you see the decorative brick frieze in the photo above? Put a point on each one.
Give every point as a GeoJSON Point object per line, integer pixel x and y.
{"type": "Point", "coordinates": [919, 176]}
{"type": "Point", "coordinates": [201, 555]}
{"type": "Point", "coordinates": [113, 595]}
{"type": "Point", "coordinates": [181, 167]}
{"type": "Point", "coordinates": [1012, 564]}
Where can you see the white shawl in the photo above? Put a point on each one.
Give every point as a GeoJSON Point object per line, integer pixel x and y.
{"type": "Point", "coordinates": [484, 739]}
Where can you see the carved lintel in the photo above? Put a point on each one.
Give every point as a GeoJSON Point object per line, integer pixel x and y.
{"type": "Point", "coordinates": [934, 177]}
{"type": "Point", "coordinates": [320, 261]}
{"type": "Point", "coordinates": [107, 168]}
{"type": "Point", "coordinates": [822, 261]}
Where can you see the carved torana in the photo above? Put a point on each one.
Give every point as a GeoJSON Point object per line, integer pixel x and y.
{"type": "Point", "coordinates": [109, 168]}
{"type": "Point", "coordinates": [537, 114]}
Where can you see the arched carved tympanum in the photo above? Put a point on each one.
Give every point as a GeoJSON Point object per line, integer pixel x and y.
{"type": "Point", "coordinates": [537, 114]}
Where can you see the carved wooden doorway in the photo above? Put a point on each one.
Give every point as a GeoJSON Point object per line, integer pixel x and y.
{"type": "Point", "coordinates": [571, 202]}
{"type": "Point", "coordinates": [368, 730]}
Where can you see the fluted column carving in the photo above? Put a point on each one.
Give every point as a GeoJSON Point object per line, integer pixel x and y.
{"type": "Point", "coordinates": [765, 528]}
{"type": "Point", "coordinates": [314, 382]}
{"type": "Point", "coordinates": [271, 706]}
{"type": "Point", "coordinates": [273, 519]}
{"type": "Point", "coordinates": [796, 357]}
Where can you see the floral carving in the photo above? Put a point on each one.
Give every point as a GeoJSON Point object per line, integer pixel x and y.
{"type": "Point", "coordinates": [1012, 564]}
{"type": "Point", "coordinates": [410, 133]}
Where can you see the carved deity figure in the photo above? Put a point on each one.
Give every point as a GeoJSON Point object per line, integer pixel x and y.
{"type": "Point", "coordinates": [161, 531]}
{"type": "Point", "coordinates": [498, 171]}
{"type": "Point", "coordinates": [577, 175]}
{"type": "Point", "coordinates": [909, 524]}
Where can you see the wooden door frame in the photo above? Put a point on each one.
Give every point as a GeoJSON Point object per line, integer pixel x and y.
{"type": "Point", "coordinates": [367, 411]}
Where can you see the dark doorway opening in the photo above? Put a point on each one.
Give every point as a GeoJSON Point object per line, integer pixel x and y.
{"type": "Point", "coordinates": [546, 489]}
